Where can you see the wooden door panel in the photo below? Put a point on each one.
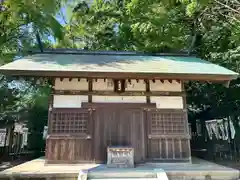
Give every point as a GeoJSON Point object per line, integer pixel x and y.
{"type": "Point", "coordinates": [118, 127]}
{"type": "Point", "coordinates": [83, 150]}
{"type": "Point", "coordinates": [137, 134]}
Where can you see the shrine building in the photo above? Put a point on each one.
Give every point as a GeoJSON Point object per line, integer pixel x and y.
{"type": "Point", "coordinates": [117, 99]}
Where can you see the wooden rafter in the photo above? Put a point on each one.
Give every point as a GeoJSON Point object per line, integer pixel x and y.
{"type": "Point", "coordinates": [126, 93]}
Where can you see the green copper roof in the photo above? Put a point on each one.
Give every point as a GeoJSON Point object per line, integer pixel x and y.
{"type": "Point", "coordinates": [156, 65]}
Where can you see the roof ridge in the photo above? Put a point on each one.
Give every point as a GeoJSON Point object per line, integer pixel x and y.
{"type": "Point", "coordinates": [121, 53]}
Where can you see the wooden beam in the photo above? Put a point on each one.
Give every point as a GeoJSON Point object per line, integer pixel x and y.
{"type": "Point", "coordinates": [90, 87]}
{"type": "Point", "coordinates": [186, 121]}
{"type": "Point", "coordinates": [72, 136]}
{"type": "Point", "coordinates": [184, 97]}
{"type": "Point", "coordinates": [111, 93]}
{"type": "Point", "coordinates": [120, 75]}
{"type": "Point", "coordinates": [147, 90]}
{"type": "Point", "coordinates": [165, 110]}
{"type": "Point", "coordinates": [174, 136]}
{"type": "Point", "coordinates": [50, 106]}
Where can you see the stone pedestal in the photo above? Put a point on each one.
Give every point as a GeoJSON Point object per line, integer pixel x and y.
{"type": "Point", "coordinates": [120, 157]}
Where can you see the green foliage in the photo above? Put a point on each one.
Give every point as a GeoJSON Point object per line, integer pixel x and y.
{"type": "Point", "coordinates": [38, 117]}
{"type": "Point", "coordinates": [210, 28]}
{"type": "Point", "coordinates": [8, 98]}
{"type": "Point", "coordinates": [218, 41]}
{"type": "Point", "coordinates": [158, 26]}
{"type": "Point", "coordinates": [20, 20]}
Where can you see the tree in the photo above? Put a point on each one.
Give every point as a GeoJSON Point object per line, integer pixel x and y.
{"type": "Point", "coordinates": [209, 28]}
{"type": "Point", "coordinates": [24, 25]}
{"type": "Point", "coordinates": [118, 25]}
{"type": "Point", "coordinates": [22, 22]}
{"type": "Point", "coordinates": [218, 40]}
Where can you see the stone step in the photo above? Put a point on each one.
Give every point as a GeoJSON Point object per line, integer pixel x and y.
{"type": "Point", "coordinates": [124, 174]}
{"type": "Point", "coordinates": [127, 179]}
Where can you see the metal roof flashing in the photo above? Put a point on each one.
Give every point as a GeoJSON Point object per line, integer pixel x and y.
{"type": "Point", "coordinates": [110, 53]}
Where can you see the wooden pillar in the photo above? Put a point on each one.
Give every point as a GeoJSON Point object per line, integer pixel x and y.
{"type": "Point", "coordinates": [50, 107]}
{"type": "Point", "coordinates": [186, 126]}
{"type": "Point", "coordinates": [90, 88]}
{"type": "Point", "coordinates": [147, 90]}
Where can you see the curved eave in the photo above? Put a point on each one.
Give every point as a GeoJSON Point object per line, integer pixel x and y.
{"type": "Point", "coordinates": [136, 75]}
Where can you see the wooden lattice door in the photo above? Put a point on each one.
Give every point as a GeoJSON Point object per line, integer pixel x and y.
{"type": "Point", "coordinates": [70, 135]}
{"type": "Point", "coordinates": [168, 136]}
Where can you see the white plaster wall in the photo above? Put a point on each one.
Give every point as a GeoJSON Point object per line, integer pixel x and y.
{"type": "Point", "coordinates": [167, 102]}
{"type": "Point", "coordinates": [74, 84]}
{"type": "Point", "coordinates": [68, 101]}
{"type": "Point", "coordinates": [100, 85]}
{"type": "Point", "coordinates": [135, 86]}
{"type": "Point", "coordinates": [165, 86]}
{"type": "Point", "coordinates": [119, 99]}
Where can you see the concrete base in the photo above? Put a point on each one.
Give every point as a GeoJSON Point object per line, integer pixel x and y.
{"type": "Point", "coordinates": [197, 170]}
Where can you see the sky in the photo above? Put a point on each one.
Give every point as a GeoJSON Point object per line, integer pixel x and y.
{"type": "Point", "coordinates": [60, 17]}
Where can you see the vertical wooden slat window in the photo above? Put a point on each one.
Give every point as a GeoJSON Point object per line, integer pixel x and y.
{"type": "Point", "coordinates": [69, 122]}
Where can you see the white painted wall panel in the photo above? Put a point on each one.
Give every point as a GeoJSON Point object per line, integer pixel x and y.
{"type": "Point", "coordinates": [119, 99]}
{"type": "Point", "coordinates": [68, 101]}
{"type": "Point", "coordinates": [74, 84]}
{"type": "Point", "coordinates": [135, 86]}
{"type": "Point", "coordinates": [167, 102]}
{"type": "Point", "coordinates": [102, 85]}
{"type": "Point", "coordinates": [165, 86]}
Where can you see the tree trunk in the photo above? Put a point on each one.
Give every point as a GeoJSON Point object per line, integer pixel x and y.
{"type": "Point", "coordinates": [39, 41]}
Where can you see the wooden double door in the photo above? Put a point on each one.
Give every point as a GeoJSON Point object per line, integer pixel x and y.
{"type": "Point", "coordinates": [118, 125]}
